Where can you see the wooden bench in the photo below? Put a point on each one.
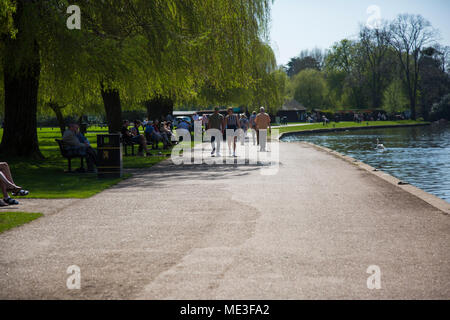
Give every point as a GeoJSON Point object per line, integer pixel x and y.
{"type": "Point", "coordinates": [150, 143]}
{"type": "Point", "coordinates": [125, 147]}
{"type": "Point", "coordinates": [69, 157]}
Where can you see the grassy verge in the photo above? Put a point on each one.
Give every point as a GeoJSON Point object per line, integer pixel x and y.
{"type": "Point", "coordinates": [45, 179]}
{"type": "Point", "coordinates": [9, 220]}
{"type": "Point", "coordinates": [333, 125]}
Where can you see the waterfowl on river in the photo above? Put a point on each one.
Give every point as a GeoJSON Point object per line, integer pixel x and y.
{"type": "Point", "coordinates": [380, 146]}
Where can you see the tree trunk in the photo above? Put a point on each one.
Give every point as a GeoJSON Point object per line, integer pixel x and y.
{"type": "Point", "coordinates": [413, 108]}
{"type": "Point", "coordinates": [113, 109]}
{"type": "Point", "coordinates": [159, 107]}
{"type": "Point", "coordinates": [412, 103]}
{"type": "Point", "coordinates": [59, 116]}
{"type": "Point", "coordinates": [21, 67]}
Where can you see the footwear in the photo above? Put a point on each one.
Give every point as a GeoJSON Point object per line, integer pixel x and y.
{"type": "Point", "coordinates": [3, 204]}
{"type": "Point", "coordinates": [20, 193]}
{"type": "Point", "coordinates": [11, 201]}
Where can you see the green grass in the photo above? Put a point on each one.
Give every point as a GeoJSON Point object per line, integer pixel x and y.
{"type": "Point", "coordinates": [289, 123]}
{"type": "Point", "coordinates": [45, 179]}
{"type": "Point", "coordinates": [9, 220]}
{"type": "Point", "coordinates": [333, 125]}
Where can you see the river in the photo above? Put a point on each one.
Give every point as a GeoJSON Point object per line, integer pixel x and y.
{"type": "Point", "coordinates": [417, 155]}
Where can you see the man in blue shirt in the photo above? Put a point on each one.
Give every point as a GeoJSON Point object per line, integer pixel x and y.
{"type": "Point", "coordinates": [183, 125]}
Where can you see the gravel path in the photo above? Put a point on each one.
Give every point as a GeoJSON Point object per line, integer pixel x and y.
{"type": "Point", "coordinates": [229, 232]}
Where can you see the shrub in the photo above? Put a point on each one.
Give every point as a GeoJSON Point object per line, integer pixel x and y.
{"type": "Point", "coordinates": [441, 110]}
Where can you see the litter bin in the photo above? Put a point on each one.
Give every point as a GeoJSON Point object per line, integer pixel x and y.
{"type": "Point", "coordinates": [109, 153]}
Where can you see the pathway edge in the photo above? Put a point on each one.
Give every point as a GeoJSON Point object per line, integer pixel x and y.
{"type": "Point", "coordinates": [436, 202]}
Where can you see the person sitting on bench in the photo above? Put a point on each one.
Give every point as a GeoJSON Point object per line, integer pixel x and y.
{"type": "Point", "coordinates": [7, 184]}
{"type": "Point", "coordinates": [165, 131]}
{"type": "Point", "coordinates": [162, 132]}
{"type": "Point", "coordinates": [82, 138]}
{"type": "Point", "coordinates": [135, 137]}
{"type": "Point", "coordinates": [152, 136]}
{"type": "Point", "coordinates": [72, 144]}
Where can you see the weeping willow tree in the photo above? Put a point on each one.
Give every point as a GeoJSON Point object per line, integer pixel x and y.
{"type": "Point", "coordinates": [127, 52]}
{"type": "Point", "coordinates": [265, 85]}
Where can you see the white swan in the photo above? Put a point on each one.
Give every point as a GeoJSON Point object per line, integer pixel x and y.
{"type": "Point", "coordinates": [380, 146]}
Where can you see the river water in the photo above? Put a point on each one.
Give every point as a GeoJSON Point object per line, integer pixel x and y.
{"type": "Point", "coordinates": [417, 155]}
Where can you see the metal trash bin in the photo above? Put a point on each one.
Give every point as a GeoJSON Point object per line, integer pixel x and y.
{"type": "Point", "coordinates": [109, 153]}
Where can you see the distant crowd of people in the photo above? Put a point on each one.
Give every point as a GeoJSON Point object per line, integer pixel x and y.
{"type": "Point", "coordinates": [257, 123]}
{"type": "Point", "coordinates": [360, 117]}
{"type": "Point", "coordinates": [154, 132]}
{"type": "Point", "coordinates": [146, 133]}
{"type": "Point", "coordinates": [318, 117]}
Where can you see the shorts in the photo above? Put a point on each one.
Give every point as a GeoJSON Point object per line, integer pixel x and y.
{"type": "Point", "coordinates": [229, 127]}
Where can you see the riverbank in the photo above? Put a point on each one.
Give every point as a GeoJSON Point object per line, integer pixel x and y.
{"type": "Point", "coordinates": [309, 232]}
{"type": "Point", "coordinates": [416, 155]}
{"type": "Point", "coordinates": [436, 202]}
{"type": "Point", "coordinates": [346, 126]}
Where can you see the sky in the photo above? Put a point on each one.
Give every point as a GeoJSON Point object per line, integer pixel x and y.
{"type": "Point", "coordinates": [306, 24]}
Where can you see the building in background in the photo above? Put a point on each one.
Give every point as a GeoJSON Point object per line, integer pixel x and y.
{"type": "Point", "coordinates": [293, 111]}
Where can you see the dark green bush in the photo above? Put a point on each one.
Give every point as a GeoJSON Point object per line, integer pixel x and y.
{"type": "Point", "coordinates": [441, 110]}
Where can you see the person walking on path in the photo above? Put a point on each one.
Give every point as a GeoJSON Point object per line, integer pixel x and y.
{"type": "Point", "coordinates": [253, 126]}
{"type": "Point", "coordinates": [205, 120]}
{"type": "Point", "coordinates": [244, 126]}
{"type": "Point", "coordinates": [216, 121]}
{"type": "Point", "coordinates": [262, 123]}
{"type": "Point", "coordinates": [197, 121]}
{"type": "Point", "coordinates": [232, 122]}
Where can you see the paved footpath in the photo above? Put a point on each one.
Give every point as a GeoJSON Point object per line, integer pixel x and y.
{"type": "Point", "coordinates": [229, 232]}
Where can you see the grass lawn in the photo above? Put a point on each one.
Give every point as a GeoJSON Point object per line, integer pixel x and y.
{"type": "Point", "coordinates": [289, 123]}
{"type": "Point", "coordinates": [347, 125]}
{"type": "Point", "coordinates": [45, 179]}
{"type": "Point", "coordinates": [9, 220]}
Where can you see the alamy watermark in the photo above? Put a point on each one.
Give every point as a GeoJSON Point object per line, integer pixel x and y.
{"type": "Point", "coordinates": [374, 21]}
{"type": "Point", "coordinates": [74, 280]}
{"type": "Point", "coordinates": [374, 281]}
{"type": "Point", "coordinates": [74, 20]}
